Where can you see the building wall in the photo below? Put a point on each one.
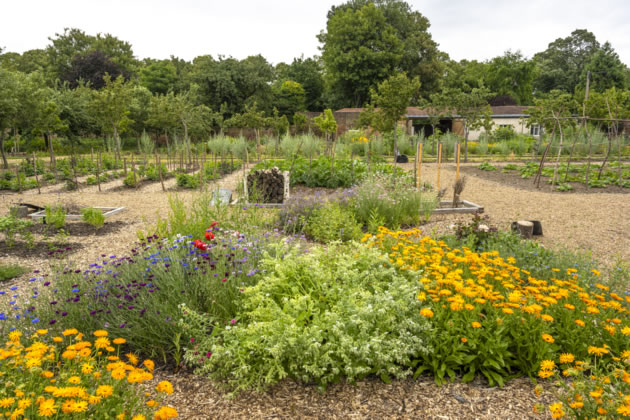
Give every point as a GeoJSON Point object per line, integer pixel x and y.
{"type": "Point", "coordinates": [518, 124]}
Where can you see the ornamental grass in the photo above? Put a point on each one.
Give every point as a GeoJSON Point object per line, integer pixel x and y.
{"type": "Point", "coordinates": [72, 375]}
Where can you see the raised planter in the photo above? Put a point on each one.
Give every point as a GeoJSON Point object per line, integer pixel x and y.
{"type": "Point", "coordinates": [285, 195]}
{"type": "Point", "coordinates": [107, 212]}
{"type": "Point", "coordinates": [463, 207]}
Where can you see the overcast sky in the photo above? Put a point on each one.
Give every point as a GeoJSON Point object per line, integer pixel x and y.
{"type": "Point", "coordinates": [283, 29]}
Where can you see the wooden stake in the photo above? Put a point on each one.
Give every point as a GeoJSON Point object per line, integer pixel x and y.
{"type": "Point", "coordinates": [201, 183]}
{"type": "Point", "coordinates": [17, 176]}
{"type": "Point", "coordinates": [439, 165]}
{"type": "Point", "coordinates": [419, 162]}
{"type": "Point", "coordinates": [160, 170]}
{"type": "Point", "coordinates": [133, 168]}
{"type": "Point", "coordinates": [457, 158]}
{"type": "Point", "coordinates": [98, 171]}
{"type": "Point", "coordinates": [39, 191]}
{"type": "Point", "coordinates": [125, 165]}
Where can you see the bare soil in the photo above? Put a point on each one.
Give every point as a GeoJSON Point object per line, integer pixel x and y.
{"type": "Point", "coordinates": [583, 221]}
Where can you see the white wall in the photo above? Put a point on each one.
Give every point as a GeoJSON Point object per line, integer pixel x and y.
{"type": "Point", "coordinates": [518, 124]}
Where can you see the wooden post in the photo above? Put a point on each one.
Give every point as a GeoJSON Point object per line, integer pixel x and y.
{"type": "Point", "coordinates": [439, 165]}
{"type": "Point", "coordinates": [39, 191]}
{"type": "Point", "coordinates": [201, 180]}
{"type": "Point", "coordinates": [419, 163]}
{"type": "Point", "coordinates": [133, 168]}
{"type": "Point", "coordinates": [125, 165]}
{"type": "Point", "coordinates": [92, 154]}
{"type": "Point", "coordinates": [17, 177]}
{"type": "Point", "coordinates": [457, 159]}
{"type": "Point", "coordinates": [74, 172]}
{"type": "Point", "coordinates": [160, 170]}
{"type": "Point", "coordinates": [98, 171]}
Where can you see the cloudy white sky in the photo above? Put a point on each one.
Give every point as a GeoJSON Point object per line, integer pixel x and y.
{"type": "Point", "coordinates": [283, 29]}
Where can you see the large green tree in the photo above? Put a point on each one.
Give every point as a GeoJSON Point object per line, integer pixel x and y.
{"type": "Point", "coordinates": [365, 42]}
{"type": "Point", "coordinates": [511, 75]}
{"type": "Point", "coordinates": [9, 106]}
{"type": "Point", "coordinates": [606, 70]}
{"type": "Point", "coordinates": [561, 65]}
{"type": "Point", "coordinates": [159, 76]}
{"type": "Point", "coordinates": [308, 72]}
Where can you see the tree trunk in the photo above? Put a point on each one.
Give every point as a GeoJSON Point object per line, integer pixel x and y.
{"type": "Point", "coordinates": [117, 142]}
{"type": "Point", "coordinates": [187, 140]}
{"type": "Point", "coordinates": [53, 162]}
{"type": "Point", "coordinates": [5, 162]}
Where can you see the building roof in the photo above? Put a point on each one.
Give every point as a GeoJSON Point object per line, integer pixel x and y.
{"type": "Point", "coordinates": [505, 111]}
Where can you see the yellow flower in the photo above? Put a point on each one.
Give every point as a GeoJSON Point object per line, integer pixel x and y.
{"type": "Point", "coordinates": [100, 333]}
{"type": "Point", "coordinates": [580, 322]}
{"type": "Point", "coordinates": [6, 402]}
{"type": "Point", "coordinates": [135, 377]}
{"type": "Point", "coordinates": [507, 311]}
{"type": "Point", "coordinates": [80, 406]}
{"type": "Point", "coordinates": [476, 324]}
{"type": "Point", "coordinates": [597, 351]}
{"type": "Point", "coordinates": [138, 417]}
{"type": "Point", "coordinates": [164, 386]}
{"type": "Point", "coordinates": [625, 331]}
{"type": "Point", "coordinates": [69, 354]}
{"type": "Point", "coordinates": [566, 358]}
{"type": "Point", "coordinates": [47, 408]}
{"type": "Point", "coordinates": [165, 413]}
{"type": "Point", "coordinates": [74, 380]}
{"type": "Point", "coordinates": [87, 368]}
{"type": "Point", "coordinates": [68, 406]}
{"type": "Point", "coordinates": [548, 338]}
{"type": "Point", "coordinates": [57, 339]}
{"type": "Point", "coordinates": [24, 403]}
{"type": "Point", "coordinates": [152, 403]}
{"type": "Point", "coordinates": [93, 399]}
{"type": "Point", "coordinates": [71, 331]}
{"type": "Point", "coordinates": [464, 340]}
{"type": "Point", "coordinates": [42, 332]}
{"type": "Point", "coordinates": [101, 343]}
{"type": "Point", "coordinates": [624, 410]}
{"type": "Point", "coordinates": [119, 341]}
{"type": "Point", "coordinates": [569, 306]}
{"type": "Point", "coordinates": [547, 365]}
{"type": "Point", "coordinates": [426, 312]}
{"type": "Point", "coordinates": [557, 411]}
{"type": "Point", "coordinates": [15, 335]}
{"type": "Point", "coordinates": [133, 359]}
{"type": "Point", "coordinates": [104, 391]}
{"type": "Point", "coordinates": [149, 365]}
{"type": "Point", "coordinates": [119, 373]}
{"type": "Point", "coordinates": [545, 373]}
{"type": "Point", "coordinates": [546, 317]}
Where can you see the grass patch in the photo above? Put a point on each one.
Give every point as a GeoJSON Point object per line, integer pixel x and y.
{"type": "Point", "coordinates": [8, 272]}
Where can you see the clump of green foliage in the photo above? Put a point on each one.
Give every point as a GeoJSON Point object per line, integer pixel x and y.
{"type": "Point", "coordinates": [333, 222]}
{"type": "Point", "coordinates": [8, 272]}
{"type": "Point", "coordinates": [55, 216]}
{"type": "Point", "coordinates": [93, 217]}
{"type": "Point", "coordinates": [320, 317]}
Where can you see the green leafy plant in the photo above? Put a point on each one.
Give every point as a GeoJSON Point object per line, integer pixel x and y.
{"type": "Point", "coordinates": [93, 217]}
{"type": "Point", "coordinates": [55, 216]}
{"type": "Point", "coordinates": [487, 166]}
{"type": "Point", "coordinates": [12, 226]}
{"type": "Point", "coordinates": [8, 272]}
{"type": "Point", "coordinates": [332, 222]}
{"type": "Point", "coordinates": [328, 315]}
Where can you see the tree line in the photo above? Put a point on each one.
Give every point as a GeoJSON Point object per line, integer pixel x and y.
{"type": "Point", "coordinates": [81, 84]}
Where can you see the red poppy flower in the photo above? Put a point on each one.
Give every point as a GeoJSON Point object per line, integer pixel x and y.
{"type": "Point", "coordinates": [213, 224]}
{"type": "Point", "coordinates": [209, 235]}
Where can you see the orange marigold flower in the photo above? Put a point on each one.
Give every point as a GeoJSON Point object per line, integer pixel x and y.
{"type": "Point", "coordinates": [464, 340]}
{"type": "Point", "coordinates": [580, 322]}
{"type": "Point", "coordinates": [119, 341]}
{"type": "Point", "coordinates": [426, 312]}
{"type": "Point", "coordinates": [100, 333]}
{"type": "Point", "coordinates": [476, 324]}
{"type": "Point", "coordinates": [164, 386]}
{"type": "Point", "coordinates": [548, 338]}
{"type": "Point", "coordinates": [567, 358]}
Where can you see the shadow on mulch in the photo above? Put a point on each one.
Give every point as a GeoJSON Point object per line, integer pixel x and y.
{"type": "Point", "coordinates": [73, 228]}
{"type": "Point", "coordinates": [513, 179]}
{"type": "Point", "coordinates": [41, 249]}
